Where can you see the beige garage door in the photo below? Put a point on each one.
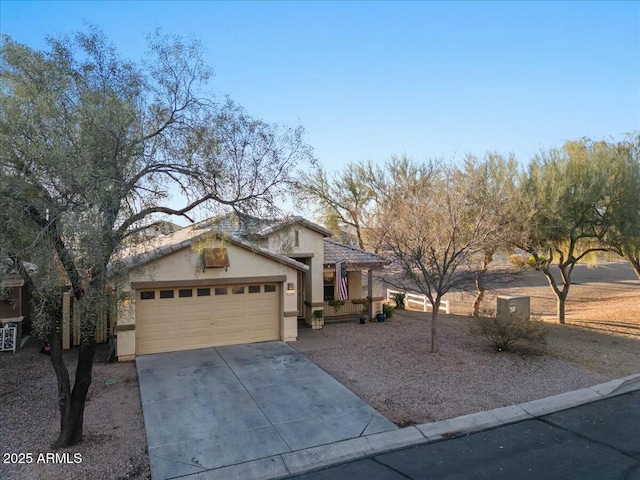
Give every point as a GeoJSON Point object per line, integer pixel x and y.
{"type": "Point", "coordinates": [184, 318]}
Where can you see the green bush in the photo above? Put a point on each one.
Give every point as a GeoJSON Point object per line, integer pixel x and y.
{"type": "Point", "coordinates": [511, 332]}
{"type": "Point", "coordinates": [388, 310]}
{"type": "Point", "coordinates": [399, 299]}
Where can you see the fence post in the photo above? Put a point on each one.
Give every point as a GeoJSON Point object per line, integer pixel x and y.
{"type": "Point", "coordinates": [66, 316]}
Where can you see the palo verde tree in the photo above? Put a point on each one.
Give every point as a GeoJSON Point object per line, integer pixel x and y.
{"type": "Point", "coordinates": [91, 148]}
{"type": "Point", "coordinates": [624, 237]}
{"type": "Point", "coordinates": [434, 233]}
{"type": "Point", "coordinates": [351, 198]}
{"type": "Point", "coordinates": [495, 185]}
{"type": "Point", "coordinates": [343, 200]}
{"type": "Point", "coordinates": [567, 206]}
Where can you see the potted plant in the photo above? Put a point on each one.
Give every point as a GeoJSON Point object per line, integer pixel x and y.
{"type": "Point", "coordinates": [317, 320]}
{"type": "Point", "coordinates": [336, 304]}
{"type": "Point", "coordinates": [364, 313]}
{"type": "Point", "coordinates": [380, 317]}
{"type": "Point", "coordinates": [399, 299]}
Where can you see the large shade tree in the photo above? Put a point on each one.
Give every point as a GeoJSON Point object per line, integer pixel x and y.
{"type": "Point", "coordinates": [350, 199]}
{"type": "Point", "coordinates": [344, 200]}
{"type": "Point", "coordinates": [568, 200]}
{"type": "Point", "coordinates": [494, 179]}
{"type": "Point", "coordinates": [624, 237]}
{"type": "Point", "coordinates": [92, 148]}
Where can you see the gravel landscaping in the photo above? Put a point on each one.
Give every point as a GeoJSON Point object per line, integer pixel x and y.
{"type": "Point", "coordinates": [114, 444]}
{"type": "Point", "coordinates": [389, 365]}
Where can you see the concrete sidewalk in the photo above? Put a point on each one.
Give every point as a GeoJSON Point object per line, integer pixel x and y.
{"type": "Point", "coordinates": [373, 446]}
{"type": "Point", "coordinates": [595, 441]}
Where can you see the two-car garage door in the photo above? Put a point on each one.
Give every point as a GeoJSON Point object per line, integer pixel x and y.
{"type": "Point", "coordinates": [184, 318]}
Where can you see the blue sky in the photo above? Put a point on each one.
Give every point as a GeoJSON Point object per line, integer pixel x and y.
{"type": "Point", "coordinates": [373, 79]}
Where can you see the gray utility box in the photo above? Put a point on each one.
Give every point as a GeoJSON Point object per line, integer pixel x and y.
{"type": "Point", "coordinates": [519, 306]}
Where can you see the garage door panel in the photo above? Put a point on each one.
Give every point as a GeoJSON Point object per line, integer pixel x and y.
{"type": "Point", "coordinates": [182, 323]}
{"type": "Point", "coordinates": [149, 311]}
{"type": "Point", "coordinates": [195, 308]}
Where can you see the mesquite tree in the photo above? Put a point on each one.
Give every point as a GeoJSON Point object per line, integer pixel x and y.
{"type": "Point", "coordinates": [92, 147]}
{"type": "Point", "coordinates": [434, 233]}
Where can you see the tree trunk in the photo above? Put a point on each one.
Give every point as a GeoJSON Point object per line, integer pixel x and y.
{"type": "Point", "coordinates": [435, 341]}
{"type": "Point", "coordinates": [62, 374]}
{"type": "Point", "coordinates": [561, 306]}
{"type": "Point", "coordinates": [72, 415]}
{"type": "Point", "coordinates": [488, 258]}
{"type": "Point", "coordinates": [634, 261]}
{"type": "Point", "coordinates": [561, 294]}
{"type": "Point", "coordinates": [478, 301]}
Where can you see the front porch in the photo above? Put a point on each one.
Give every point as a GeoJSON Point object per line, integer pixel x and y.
{"type": "Point", "coordinates": [348, 291]}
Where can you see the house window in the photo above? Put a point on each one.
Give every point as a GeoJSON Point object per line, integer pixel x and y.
{"type": "Point", "coordinates": [221, 290]}
{"type": "Point", "coordinates": [147, 295]}
{"type": "Point", "coordinates": [187, 292]}
{"type": "Point", "coordinates": [297, 238]}
{"type": "Point", "coordinates": [204, 292]}
{"type": "Point", "coordinates": [329, 286]}
{"type": "Point", "coordinates": [166, 293]}
{"type": "Point", "coordinates": [237, 290]}
{"type": "Point", "coordinates": [269, 288]}
{"type": "Point", "coordinates": [254, 288]}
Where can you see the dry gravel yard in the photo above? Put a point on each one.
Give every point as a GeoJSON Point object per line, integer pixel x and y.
{"type": "Point", "coordinates": [386, 364]}
{"type": "Point", "coordinates": [114, 445]}
{"type": "Point", "coordinates": [389, 365]}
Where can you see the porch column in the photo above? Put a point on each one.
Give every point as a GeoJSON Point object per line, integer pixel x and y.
{"type": "Point", "coordinates": [370, 292]}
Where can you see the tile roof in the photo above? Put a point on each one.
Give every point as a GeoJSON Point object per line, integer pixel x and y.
{"type": "Point", "coordinates": [335, 252]}
{"type": "Point", "coordinates": [162, 245]}
{"type": "Point", "coordinates": [241, 231]}
{"type": "Point", "coordinates": [248, 226]}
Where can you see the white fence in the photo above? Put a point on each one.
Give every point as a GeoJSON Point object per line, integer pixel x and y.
{"type": "Point", "coordinates": [418, 299]}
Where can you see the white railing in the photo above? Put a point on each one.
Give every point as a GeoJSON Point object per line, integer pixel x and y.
{"type": "Point", "coordinates": [419, 299]}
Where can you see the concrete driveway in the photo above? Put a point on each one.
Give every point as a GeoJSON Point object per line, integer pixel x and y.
{"type": "Point", "coordinates": [215, 407]}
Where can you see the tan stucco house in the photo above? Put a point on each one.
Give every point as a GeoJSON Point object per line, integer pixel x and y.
{"type": "Point", "coordinates": [231, 280]}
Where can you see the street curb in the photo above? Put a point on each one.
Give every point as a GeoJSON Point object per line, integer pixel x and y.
{"type": "Point", "coordinates": [286, 464]}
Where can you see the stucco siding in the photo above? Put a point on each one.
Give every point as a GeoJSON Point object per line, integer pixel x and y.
{"type": "Point", "coordinates": [187, 265]}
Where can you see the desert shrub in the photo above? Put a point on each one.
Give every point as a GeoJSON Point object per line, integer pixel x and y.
{"type": "Point", "coordinates": [511, 332]}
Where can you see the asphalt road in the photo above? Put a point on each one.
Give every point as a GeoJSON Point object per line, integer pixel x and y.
{"type": "Point", "coordinates": [598, 441]}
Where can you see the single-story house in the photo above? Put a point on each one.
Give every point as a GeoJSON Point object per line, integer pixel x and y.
{"type": "Point", "coordinates": [238, 279]}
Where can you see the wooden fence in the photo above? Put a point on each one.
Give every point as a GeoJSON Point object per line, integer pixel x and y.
{"type": "Point", "coordinates": [419, 300]}
{"type": "Point", "coordinates": [71, 322]}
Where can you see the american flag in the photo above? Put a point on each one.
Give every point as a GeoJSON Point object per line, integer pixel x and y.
{"type": "Point", "coordinates": [341, 278]}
